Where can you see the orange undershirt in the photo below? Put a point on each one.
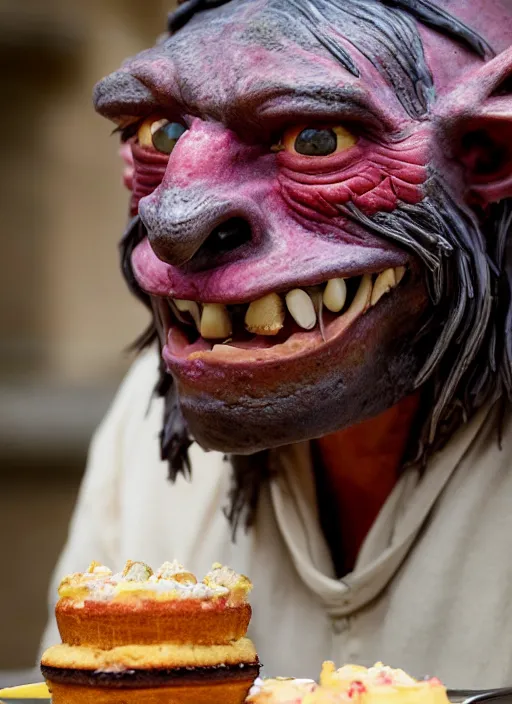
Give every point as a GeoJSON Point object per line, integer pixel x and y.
{"type": "Point", "coordinates": [361, 466]}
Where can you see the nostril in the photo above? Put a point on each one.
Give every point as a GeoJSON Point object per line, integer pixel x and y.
{"type": "Point", "coordinates": [229, 235]}
{"type": "Point", "coordinates": [225, 238]}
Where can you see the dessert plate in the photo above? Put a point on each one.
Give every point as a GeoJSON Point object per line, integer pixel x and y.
{"type": "Point", "coordinates": [501, 695]}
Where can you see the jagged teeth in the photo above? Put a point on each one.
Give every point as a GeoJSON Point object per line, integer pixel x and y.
{"type": "Point", "coordinates": [301, 308]}
{"type": "Point", "coordinates": [363, 296]}
{"type": "Point", "coordinates": [335, 295]}
{"type": "Point", "coordinates": [215, 322]}
{"type": "Point", "coordinates": [384, 282]}
{"type": "Point", "coordinates": [399, 274]}
{"type": "Point", "coordinates": [190, 307]}
{"type": "Point", "coordinates": [266, 315]}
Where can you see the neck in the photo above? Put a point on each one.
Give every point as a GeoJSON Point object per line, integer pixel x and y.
{"type": "Point", "coordinates": [360, 466]}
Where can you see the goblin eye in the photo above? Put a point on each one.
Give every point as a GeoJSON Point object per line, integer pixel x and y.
{"type": "Point", "coordinates": [313, 142]}
{"type": "Point", "coordinates": [317, 141]}
{"type": "Point", "coordinates": [161, 135]}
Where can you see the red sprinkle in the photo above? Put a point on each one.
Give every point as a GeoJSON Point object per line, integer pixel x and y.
{"type": "Point", "coordinates": [356, 687]}
{"type": "Point", "coordinates": [384, 678]}
{"type": "Point", "coordinates": [435, 681]}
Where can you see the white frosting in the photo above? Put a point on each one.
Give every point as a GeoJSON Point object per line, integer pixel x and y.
{"type": "Point", "coordinates": [260, 683]}
{"type": "Point", "coordinates": [256, 687]}
{"type": "Point", "coordinates": [168, 569]}
{"type": "Point", "coordinates": [171, 579]}
{"type": "Point", "coordinates": [116, 585]}
{"type": "Point", "coordinates": [379, 671]}
{"type": "Point", "coordinates": [101, 570]}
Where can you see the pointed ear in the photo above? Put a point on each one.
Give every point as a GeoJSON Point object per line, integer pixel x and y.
{"type": "Point", "coordinates": [475, 121]}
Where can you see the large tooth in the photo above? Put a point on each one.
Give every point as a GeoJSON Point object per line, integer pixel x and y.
{"type": "Point", "coordinates": [301, 308]}
{"type": "Point", "coordinates": [190, 307]}
{"type": "Point", "coordinates": [335, 295]}
{"type": "Point", "coordinates": [266, 315]}
{"type": "Point", "coordinates": [384, 282]}
{"type": "Point", "coordinates": [399, 273]}
{"type": "Point", "coordinates": [362, 298]}
{"type": "Point", "coordinates": [215, 322]}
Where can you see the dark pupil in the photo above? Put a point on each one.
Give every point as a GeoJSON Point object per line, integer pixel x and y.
{"type": "Point", "coordinates": [166, 136]}
{"type": "Point", "coordinates": [313, 142]}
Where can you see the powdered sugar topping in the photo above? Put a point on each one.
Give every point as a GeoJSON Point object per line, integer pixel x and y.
{"type": "Point", "coordinates": [171, 581]}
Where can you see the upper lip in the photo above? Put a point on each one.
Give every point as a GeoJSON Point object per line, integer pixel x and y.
{"type": "Point", "coordinates": [246, 280]}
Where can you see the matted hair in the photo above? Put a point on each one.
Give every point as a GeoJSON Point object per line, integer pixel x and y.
{"type": "Point", "coordinates": [467, 260]}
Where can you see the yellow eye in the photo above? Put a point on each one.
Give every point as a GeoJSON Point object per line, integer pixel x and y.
{"type": "Point", "coordinates": [317, 141]}
{"type": "Point", "coordinates": [161, 135]}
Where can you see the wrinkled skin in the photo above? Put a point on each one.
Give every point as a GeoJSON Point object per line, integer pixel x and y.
{"type": "Point", "coordinates": [237, 85]}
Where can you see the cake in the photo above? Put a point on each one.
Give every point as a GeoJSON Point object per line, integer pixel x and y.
{"type": "Point", "coordinates": [350, 684]}
{"type": "Point", "coordinates": [152, 637]}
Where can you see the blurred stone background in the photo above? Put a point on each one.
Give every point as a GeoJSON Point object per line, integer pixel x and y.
{"type": "Point", "coordinates": [65, 315]}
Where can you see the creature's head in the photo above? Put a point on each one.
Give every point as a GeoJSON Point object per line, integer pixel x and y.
{"type": "Point", "coordinates": [321, 208]}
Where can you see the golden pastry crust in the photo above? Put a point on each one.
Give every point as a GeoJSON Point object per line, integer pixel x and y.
{"type": "Point", "coordinates": [106, 624]}
{"type": "Point", "coordinates": [226, 693]}
{"type": "Point", "coordinates": [150, 656]}
{"type": "Point", "coordinates": [381, 684]}
{"type": "Point", "coordinates": [351, 684]}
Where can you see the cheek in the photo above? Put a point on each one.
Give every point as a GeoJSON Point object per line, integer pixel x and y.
{"type": "Point", "coordinates": [376, 181]}
{"type": "Point", "coordinates": [148, 172]}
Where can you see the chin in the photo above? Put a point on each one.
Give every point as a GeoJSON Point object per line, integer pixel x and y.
{"type": "Point", "coordinates": [248, 396]}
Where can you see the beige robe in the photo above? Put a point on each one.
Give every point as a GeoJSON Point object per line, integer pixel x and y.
{"type": "Point", "coordinates": [432, 588]}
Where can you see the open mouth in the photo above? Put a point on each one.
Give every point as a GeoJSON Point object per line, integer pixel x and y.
{"type": "Point", "coordinates": [275, 326]}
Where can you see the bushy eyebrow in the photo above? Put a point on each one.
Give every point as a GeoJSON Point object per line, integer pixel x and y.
{"type": "Point", "coordinates": [121, 95]}
{"type": "Point", "coordinates": [124, 97]}
{"type": "Point", "coordinates": [275, 101]}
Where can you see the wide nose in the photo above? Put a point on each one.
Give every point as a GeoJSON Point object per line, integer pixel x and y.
{"type": "Point", "coordinates": [209, 202]}
{"type": "Point", "coordinates": [186, 223]}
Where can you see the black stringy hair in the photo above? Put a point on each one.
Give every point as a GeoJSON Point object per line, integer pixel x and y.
{"type": "Point", "coordinates": [468, 261]}
{"type": "Point", "coordinates": [382, 30]}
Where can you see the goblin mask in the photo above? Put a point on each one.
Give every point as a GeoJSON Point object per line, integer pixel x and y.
{"type": "Point", "coordinates": [320, 202]}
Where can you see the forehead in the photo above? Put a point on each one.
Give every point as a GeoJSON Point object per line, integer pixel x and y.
{"type": "Point", "coordinates": [251, 47]}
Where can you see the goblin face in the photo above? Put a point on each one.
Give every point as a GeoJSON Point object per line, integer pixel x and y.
{"type": "Point", "coordinates": [281, 167]}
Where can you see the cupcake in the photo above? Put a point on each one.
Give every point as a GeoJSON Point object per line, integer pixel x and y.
{"type": "Point", "coordinates": [145, 637]}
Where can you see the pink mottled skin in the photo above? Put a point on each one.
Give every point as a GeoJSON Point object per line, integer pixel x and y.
{"type": "Point", "coordinates": [281, 202]}
{"type": "Point", "coordinates": [125, 152]}
{"type": "Point", "coordinates": [236, 97]}
{"type": "Point", "coordinates": [282, 196]}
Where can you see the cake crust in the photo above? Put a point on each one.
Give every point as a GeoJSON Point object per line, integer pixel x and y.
{"type": "Point", "coordinates": [149, 656]}
{"type": "Point", "coordinates": [109, 624]}
{"type": "Point", "coordinates": [214, 693]}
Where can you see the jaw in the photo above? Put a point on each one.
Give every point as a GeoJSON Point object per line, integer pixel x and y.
{"type": "Point", "coordinates": [249, 399]}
